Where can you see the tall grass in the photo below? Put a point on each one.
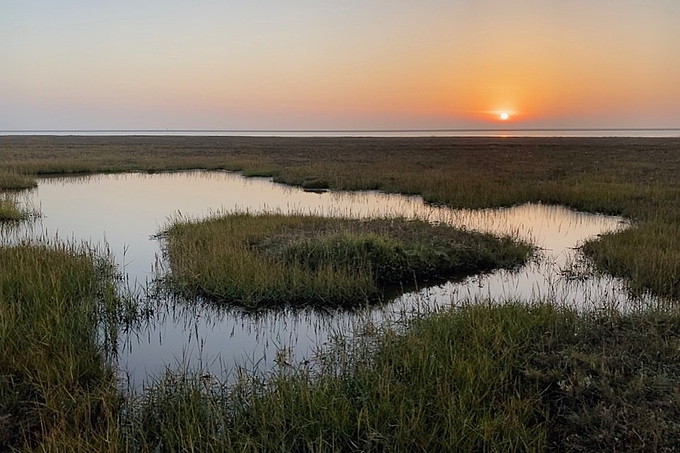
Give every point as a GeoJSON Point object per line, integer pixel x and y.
{"type": "Point", "coordinates": [648, 256]}
{"type": "Point", "coordinates": [13, 211]}
{"type": "Point", "coordinates": [481, 378]}
{"type": "Point", "coordinates": [277, 260]}
{"type": "Point", "coordinates": [9, 211]}
{"type": "Point", "coordinates": [12, 180]}
{"type": "Point", "coordinates": [449, 384]}
{"type": "Point", "coordinates": [57, 390]}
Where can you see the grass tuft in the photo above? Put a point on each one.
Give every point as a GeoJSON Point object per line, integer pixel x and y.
{"type": "Point", "coordinates": [10, 210]}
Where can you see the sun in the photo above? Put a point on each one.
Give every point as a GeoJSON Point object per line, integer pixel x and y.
{"type": "Point", "coordinates": [504, 116]}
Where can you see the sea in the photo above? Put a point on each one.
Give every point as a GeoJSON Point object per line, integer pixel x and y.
{"type": "Point", "coordinates": [570, 132]}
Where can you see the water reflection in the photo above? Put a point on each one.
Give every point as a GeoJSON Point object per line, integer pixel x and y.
{"type": "Point", "coordinates": [126, 211]}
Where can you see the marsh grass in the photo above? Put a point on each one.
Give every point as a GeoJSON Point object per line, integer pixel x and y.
{"type": "Point", "coordinates": [12, 180]}
{"type": "Point", "coordinates": [648, 256]}
{"type": "Point", "coordinates": [57, 390]}
{"type": "Point", "coordinates": [480, 378]}
{"type": "Point", "coordinates": [633, 177]}
{"type": "Point", "coordinates": [279, 260]}
{"type": "Point", "coordinates": [12, 211]}
{"type": "Point", "coordinates": [484, 378]}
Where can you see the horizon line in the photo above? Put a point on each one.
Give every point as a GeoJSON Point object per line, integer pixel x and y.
{"type": "Point", "coordinates": [522, 129]}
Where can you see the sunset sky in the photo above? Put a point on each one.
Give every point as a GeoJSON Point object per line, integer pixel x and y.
{"type": "Point", "coordinates": [321, 64]}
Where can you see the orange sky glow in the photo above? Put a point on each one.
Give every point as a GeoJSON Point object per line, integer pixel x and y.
{"type": "Point", "coordinates": [322, 65]}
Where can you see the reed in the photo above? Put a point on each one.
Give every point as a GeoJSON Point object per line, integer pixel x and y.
{"type": "Point", "coordinates": [277, 260]}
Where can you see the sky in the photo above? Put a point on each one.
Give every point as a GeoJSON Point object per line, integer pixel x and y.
{"type": "Point", "coordinates": [338, 65]}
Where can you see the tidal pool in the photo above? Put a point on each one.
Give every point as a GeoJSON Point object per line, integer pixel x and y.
{"type": "Point", "coordinates": [123, 213]}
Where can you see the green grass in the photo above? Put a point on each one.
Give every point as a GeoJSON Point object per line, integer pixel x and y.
{"type": "Point", "coordinates": [277, 260]}
{"type": "Point", "coordinates": [57, 391]}
{"type": "Point", "coordinates": [481, 378]}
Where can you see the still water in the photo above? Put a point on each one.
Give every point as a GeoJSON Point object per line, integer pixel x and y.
{"type": "Point", "coordinates": [124, 212]}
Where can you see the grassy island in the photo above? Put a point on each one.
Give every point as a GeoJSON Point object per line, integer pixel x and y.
{"type": "Point", "coordinates": [9, 211]}
{"type": "Point", "coordinates": [278, 260]}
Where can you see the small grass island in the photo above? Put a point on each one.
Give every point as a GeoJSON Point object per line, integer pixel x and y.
{"type": "Point", "coordinates": [271, 260]}
{"type": "Point", "coordinates": [10, 210]}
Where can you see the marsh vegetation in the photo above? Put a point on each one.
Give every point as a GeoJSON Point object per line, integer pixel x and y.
{"type": "Point", "coordinates": [9, 211]}
{"type": "Point", "coordinates": [57, 315]}
{"type": "Point", "coordinates": [14, 181]}
{"type": "Point", "coordinates": [482, 378]}
{"type": "Point", "coordinates": [280, 260]}
{"type": "Point", "coordinates": [496, 377]}
{"type": "Point", "coordinates": [632, 177]}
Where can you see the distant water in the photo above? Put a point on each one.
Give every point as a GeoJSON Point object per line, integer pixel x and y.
{"type": "Point", "coordinates": [643, 132]}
